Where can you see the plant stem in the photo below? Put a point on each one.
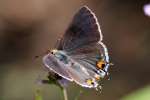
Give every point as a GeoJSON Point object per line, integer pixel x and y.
{"type": "Point", "coordinates": [65, 94]}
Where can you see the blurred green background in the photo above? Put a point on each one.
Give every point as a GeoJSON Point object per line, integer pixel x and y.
{"type": "Point", "coordinates": [31, 27]}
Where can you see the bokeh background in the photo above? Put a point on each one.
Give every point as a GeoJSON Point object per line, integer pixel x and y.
{"type": "Point", "coordinates": [31, 27]}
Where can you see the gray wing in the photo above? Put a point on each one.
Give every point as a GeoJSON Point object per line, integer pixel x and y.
{"type": "Point", "coordinates": [82, 42]}
{"type": "Point", "coordinates": [85, 59]}
{"type": "Point", "coordinates": [72, 72]}
{"type": "Point", "coordinates": [83, 30]}
{"type": "Point", "coordinates": [52, 64]}
{"type": "Point", "coordinates": [80, 75]}
{"type": "Point", "coordinates": [89, 55]}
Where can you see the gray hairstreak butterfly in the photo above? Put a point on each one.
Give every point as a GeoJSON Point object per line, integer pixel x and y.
{"type": "Point", "coordinates": [80, 55]}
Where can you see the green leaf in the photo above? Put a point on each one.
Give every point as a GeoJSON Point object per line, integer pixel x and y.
{"type": "Point", "coordinates": [142, 94]}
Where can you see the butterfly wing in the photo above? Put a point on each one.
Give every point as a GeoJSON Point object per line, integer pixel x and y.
{"type": "Point", "coordinates": [87, 57]}
{"type": "Point", "coordinates": [72, 72]}
{"type": "Point", "coordinates": [82, 42]}
{"type": "Point", "coordinates": [80, 75]}
{"type": "Point", "coordinates": [90, 55]}
{"type": "Point", "coordinates": [54, 65]}
{"type": "Point", "coordinates": [83, 30]}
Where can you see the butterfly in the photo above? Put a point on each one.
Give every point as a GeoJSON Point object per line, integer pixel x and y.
{"type": "Point", "coordinates": [80, 55]}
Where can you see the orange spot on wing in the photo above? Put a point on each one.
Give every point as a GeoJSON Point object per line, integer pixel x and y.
{"type": "Point", "coordinates": [89, 81]}
{"type": "Point", "coordinates": [100, 64]}
{"type": "Point", "coordinates": [97, 77]}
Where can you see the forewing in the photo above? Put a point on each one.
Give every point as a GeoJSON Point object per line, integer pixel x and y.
{"type": "Point", "coordinates": [83, 30]}
{"type": "Point", "coordinates": [54, 65]}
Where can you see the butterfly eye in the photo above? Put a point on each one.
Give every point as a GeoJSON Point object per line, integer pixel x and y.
{"type": "Point", "coordinates": [53, 51]}
{"type": "Point", "coordinates": [100, 64]}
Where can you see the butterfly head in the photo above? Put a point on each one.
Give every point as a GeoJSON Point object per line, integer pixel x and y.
{"type": "Point", "coordinates": [54, 51]}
